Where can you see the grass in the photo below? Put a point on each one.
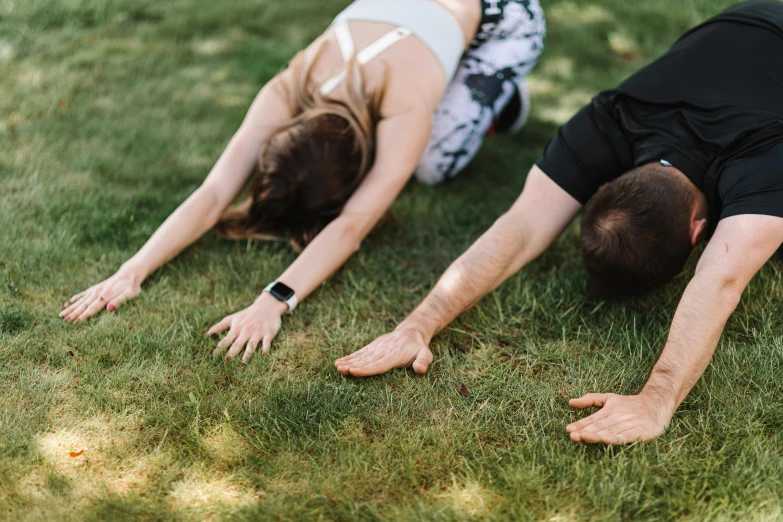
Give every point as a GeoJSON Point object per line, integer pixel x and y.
{"type": "Point", "coordinates": [112, 112]}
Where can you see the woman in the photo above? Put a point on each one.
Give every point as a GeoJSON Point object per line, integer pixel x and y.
{"type": "Point", "coordinates": [332, 140]}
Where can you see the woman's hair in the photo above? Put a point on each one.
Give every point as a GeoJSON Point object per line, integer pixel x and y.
{"type": "Point", "coordinates": [311, 164]}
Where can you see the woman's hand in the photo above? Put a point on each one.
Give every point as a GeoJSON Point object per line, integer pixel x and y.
{"type": "Point", "coordinates": [258, 323]}
{"type": "Point", "coordinates": [109, 294]}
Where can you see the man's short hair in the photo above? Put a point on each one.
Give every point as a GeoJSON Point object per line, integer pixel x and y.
{"type": "Point", "coordinates": [636, 231]}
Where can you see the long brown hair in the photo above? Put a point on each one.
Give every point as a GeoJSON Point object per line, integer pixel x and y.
{"type": "Point", "coordinates": [312, 163]}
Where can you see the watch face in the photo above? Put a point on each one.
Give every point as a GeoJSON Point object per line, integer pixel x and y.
{"type": "Point", "coordinates": [281, 291]}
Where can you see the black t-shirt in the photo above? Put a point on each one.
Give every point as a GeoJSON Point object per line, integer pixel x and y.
{"type": "Point", "coordinates": [712, 106]}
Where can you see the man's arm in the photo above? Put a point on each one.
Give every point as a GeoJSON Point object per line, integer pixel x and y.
{"type": "Point", "coordinates": [536, 219]}
{"type": "Point", "coordinates": [739, 247]}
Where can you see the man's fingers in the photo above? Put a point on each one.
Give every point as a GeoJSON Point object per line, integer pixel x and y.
{"type": "Point", "coordinates": [374, 367]}
{"type": "Point", "coordinates": [587, 436]}
{"type": "Point", "coordinates": [366, 357]}
{"type": "Point", "coordinates": [589, 400]}
{"type": "Point", "coordinates": [628, 436]}
{"type": "Point", "coordinates": [614, 435]}
{"type": "Point", "coordinates": [606, 426]}
{"type": "Point", "coordinates": [219, 327]}
{"type": "Point", "coordinates": [354, 355]}
{"type": "Point", "coordinates": [422, 362]}
{"type": "Point", "coordinates": [587, 421]}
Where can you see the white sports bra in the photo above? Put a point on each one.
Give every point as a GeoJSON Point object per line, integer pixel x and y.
{"type": "Point", "coordinates": [429, 22]}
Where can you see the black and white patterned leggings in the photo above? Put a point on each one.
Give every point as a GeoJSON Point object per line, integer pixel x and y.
{"type": "Point", "coordinates": [507, 46]}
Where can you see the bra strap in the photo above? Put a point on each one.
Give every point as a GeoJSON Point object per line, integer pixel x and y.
{"type": "Point", "coordinates": [365, 55]}
{"type": "Point", "coordinates": [344, 40]}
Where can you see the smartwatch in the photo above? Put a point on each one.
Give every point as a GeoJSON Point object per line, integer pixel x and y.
{"type": "Point", "coordinates": [283, 293]}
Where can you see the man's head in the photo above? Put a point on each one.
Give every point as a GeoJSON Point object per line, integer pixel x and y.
{"type": "Point", "coordinates": [639, 230]}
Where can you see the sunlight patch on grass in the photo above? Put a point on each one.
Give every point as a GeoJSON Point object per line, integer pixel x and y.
{"type": "Point", "coordinates": [770, 514]}
{"type": "Point", "coordinates": [566, 106]}
{"type": "Point", "coordinates": [470, 498]}
{"type": "Point", "coordinates": [6, 51]}
{"type": "Point", "coordinates": [211, 47]}
{"type": "Point", "coordinates": [291, 479]}
{"type": "Point", "coordinates": [78, 181]}
{"type": "Point", "coordinates": [623, 46]}
{"type": "Point", "coordinates": [225, 445]}
{"type": "Point", "coordinates": [570, 12]}
{"type": "Point", "coordinates": [222, 93]}
{"type": "Point", "coordinates": [98, 455]}
{"type": "Point", "coordinates": [558, 68]}
{"type": "Point", "coordinates": [116, 50]}
{"type": "Point", "coordinates": [201, 490]}
{"type": "Point", "coordinates": [563, 517]}
{"type": "Point", "coordinates": [194, 72]}
{"type": "Point", "coordinates": [104, 103]}
{"type": "Point", "coordinates": [31, 77]}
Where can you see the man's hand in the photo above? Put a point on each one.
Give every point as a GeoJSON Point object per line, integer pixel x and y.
{"type": "Point", "coordinates": [539, 215]}
{"type": "Point", "coordinates": [622, 418]}
{"type": "Point", "coordinates": [399, 349]}
{"type": "Point", "coordinates": [738, 248]}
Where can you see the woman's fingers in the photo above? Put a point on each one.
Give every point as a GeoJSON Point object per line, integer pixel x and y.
{"type": "Point", "coordinates": [77, 308]}
{"type": "Point", "coordinates": [117, 301]}
{"type": "Point", "coordinates": [230, 337]}
{"type": "Point", "coordinates": [74, 299]}
{"type": "Point", "coordinates": [239, 343]}
{"type": "Point", "coordinates": [266, 345]}
{"type": "Point", "coordinates": [219, 327]}
{"type": "Point", "coordinates": [75, 302]}
{"type": "Point", "coordinates": [108, 294]}
{"type": "Point", "coordinates": [97, 304]}
{"type": "Point", "coordinates": [68, 311]}
{"type": "Point", "coordinates": [252, 344]}
{"type": "Point", "coordinates": [247, 329]}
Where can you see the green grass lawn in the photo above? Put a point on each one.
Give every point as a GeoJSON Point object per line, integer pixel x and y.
{"type": "Point", "coordinates": [113, 111]}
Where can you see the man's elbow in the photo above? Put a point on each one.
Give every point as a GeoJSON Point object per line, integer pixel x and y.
{"type": "Point", "coordinates": [726, 283]}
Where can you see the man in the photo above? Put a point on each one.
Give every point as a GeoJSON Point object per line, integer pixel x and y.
{"type": "Point", "coordinates": [690, 145]}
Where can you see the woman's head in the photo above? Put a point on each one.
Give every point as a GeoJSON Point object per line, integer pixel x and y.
{"type": "Point", "coordinates": [311, 165]}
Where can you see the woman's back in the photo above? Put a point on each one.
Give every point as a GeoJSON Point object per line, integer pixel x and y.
{"type": "Point", "coordinates": [408, 72]}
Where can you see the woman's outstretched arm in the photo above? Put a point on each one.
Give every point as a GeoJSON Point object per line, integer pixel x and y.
{"type": "Point", "coordinates": [199, 213]}
{"type": "Point", "coordinates": [401, 141]}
